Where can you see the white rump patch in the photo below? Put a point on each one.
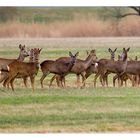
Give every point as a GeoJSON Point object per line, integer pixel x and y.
{"type": "Point", "coordinates": [0, 72]}
{"type": "Point", "coordinates": [96, 65]}
{"type": "Point", "coordinates": [8, 68]}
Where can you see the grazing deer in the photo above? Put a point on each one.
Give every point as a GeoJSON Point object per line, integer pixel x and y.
{"type": "Point", "coordinates": [80, 68]}
{"type": "Point", "coordinates": [112, 66]}
{"type": "Point", "coordinates": [62, 66]}
{"type": "Point", "coordinates": [23, 69]}
{"type": "Point", "coordinates": [4, 62]}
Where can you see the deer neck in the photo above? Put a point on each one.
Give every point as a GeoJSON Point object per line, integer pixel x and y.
{"type": "Point", "coordinates": [88, 61]}
{"type": "Point", "coordinates": [112, 58]}
{"type": "Point", "coordinates": [31, 59]}
{"type": "Point", "coordinates": [21, 57]}
{"type": "Point", "coordinates": [70, 66]}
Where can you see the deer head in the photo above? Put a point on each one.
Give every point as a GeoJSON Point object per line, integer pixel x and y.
{"type": "Point", "coordinates": [23, 51]}
{"type": "Point", "coordinates": [124, 54]}
{"type": "Point", "coordinates": [36, 53]}
{"type": "Point", "coordinates": [73, 57]}
{"type": "Point", "coordinates": [112, 53]}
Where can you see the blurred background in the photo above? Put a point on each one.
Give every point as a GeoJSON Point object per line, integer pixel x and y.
{"type": "Point", "coordinates": [34, 22]}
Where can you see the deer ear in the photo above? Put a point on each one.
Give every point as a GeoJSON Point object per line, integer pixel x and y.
{"type": "Point", "coordinates": [115, 50]}
{"type": "Point", "coordinates": [20, 46]}
{"type": "Point", "coordinates": [70, 54]}
{"type": "Point", "coordinates": [109, 50]}
{"type": "Point", "coordinates": [76, 54]}
{"type": "Point", "coordinates": [128, 49]}
{"type": "Point", "coordinates": [40, 50]}
{"type": "Point", "coordinates": [87, 52]}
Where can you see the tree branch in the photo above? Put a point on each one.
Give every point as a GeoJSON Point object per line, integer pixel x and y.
{"type": "Point", "coordinates": [129, 14]}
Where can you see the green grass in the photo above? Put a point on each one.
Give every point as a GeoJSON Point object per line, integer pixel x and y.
{"type": "Point", "coordinates": [70, 109]}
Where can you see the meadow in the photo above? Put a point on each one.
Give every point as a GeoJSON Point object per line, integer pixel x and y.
{"type": "Point", "coordinates": [70, 109]}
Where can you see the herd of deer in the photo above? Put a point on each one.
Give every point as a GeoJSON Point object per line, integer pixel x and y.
{"type": "Point", "coordinates": [124, 69]}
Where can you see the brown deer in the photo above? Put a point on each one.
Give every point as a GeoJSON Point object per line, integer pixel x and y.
{"type": "Point", "coordinates": [125, 77]}
{"type": "Point", "coordinates": [132, 67]}
{"type": "Point", "coordinates": [4, 62]}
{"type": "Point", "coordinates": [80, 68]}
{"type": "Point", "coordinates": [61, 66]}
{"type": "Point", "coordinates": [102, 71]}
{"type": "Point", "coordinates": [111, 66]}
{"type": "Point", "coordinates": [94, 69]}
{"type": "Point", "coordinates": [32, 58]}
{"type": "Point", "coordinates": [23, 69]}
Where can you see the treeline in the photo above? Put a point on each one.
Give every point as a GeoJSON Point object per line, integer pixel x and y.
{"type": "Point", "coordinates": [49, 15]}
{"type": "Point", "coordinates": [69, 22]}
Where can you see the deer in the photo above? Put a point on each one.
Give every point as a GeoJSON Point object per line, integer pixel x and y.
{"type": "Point", "coordinates": [4, 62]}
{"type": "Point", "coordinates": [79, 68]}
{"type": "Point", "coordinates": [125, 77]}
{"type": "Point", "coordinates": [102, 72]}
{"type": "Point", "coordinates": [93, 68]}
{"type": "Point", "coordinates": [31, 59]}
{"type": "Point", "coordinates": [111, 66]}
{"type": "Point", "coordinates": [60, 66]}
{"type": "Point", "coordinates": [132, 67]}
{"type": "Point", "coordinates": [24, 69]}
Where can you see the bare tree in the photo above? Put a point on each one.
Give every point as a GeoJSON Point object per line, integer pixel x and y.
{"type": "Point", "coordinates": [135, 13]}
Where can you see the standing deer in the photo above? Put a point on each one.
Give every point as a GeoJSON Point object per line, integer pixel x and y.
{"type": "Point", "coordinates": [80, 68]}
{"type": "Point", "coordinates": [32, 58]}
{"type": "Point", "coordinates": [112, 66]}
{"type": "Point", "coordinates": [4, 62]}
{"type": "Point", "coordinates": [94, 69]}
{"type": "Point", "coordinates": [125, 77]}
{"type": "Point", "coordinates": [132, 67]}
{"type": "Point", "coordinates": [102, 71]}
{"type": "Point", "coordinates": [23, 69]}
{"type": "Point", "coordinates": [62, 66]}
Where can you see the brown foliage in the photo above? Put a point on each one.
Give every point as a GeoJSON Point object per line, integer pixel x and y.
{"type": "Point", "coordinates": [75, 28]}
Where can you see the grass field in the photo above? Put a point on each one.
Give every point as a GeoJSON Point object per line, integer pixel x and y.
{"type": "Point", "coordinates": [70, 109]}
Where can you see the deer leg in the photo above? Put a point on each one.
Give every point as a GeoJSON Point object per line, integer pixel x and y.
{"type": "Point", "coordinates": [32, 78]}
{"type": "Point", "coordinates": [78, 80]}
{"type": "Point", "coordinates": [114, 79]}
{"type": "Point", "coordinates": [25, 81]}
{"type": "Point", "coordinates": [83, 79]}
{"type": "Point", "coordinates": [106, 80]}
{"type": "Point", "coordinates": [125, 83]}
{"type": "Point", "coordinates": [87, 75]}
{"type": "Point", "coordinates": [137, 80]}
{"type": "Point", "coordinates": [7, 81]}
{"type": "Point", "coordinates": [121, 80]}
{"type": "Point", "coordinates": [52, 79]}
{"type": "Point", "coordinates": [95, 78]}
{"type": "Point", "coordinates": [12, 83]}
{"type": "Point", "coordinates": [101, 80]}
{"type": "Point", "coordinates": [64, 82]}
{"type": "Point", "coordinates": [42, 78]}
{"type": "Point", "coordinates": [3, 76]}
